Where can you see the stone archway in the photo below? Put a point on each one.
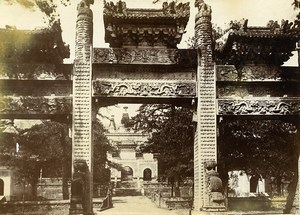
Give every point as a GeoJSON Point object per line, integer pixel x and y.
{"type": "Point", "coordinates": [147, 174]}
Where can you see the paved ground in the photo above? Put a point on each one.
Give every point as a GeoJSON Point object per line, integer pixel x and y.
{"type": "Point", "coordinates": [141, 205]}
{"type": "Point", "coordinates": [138, 205]}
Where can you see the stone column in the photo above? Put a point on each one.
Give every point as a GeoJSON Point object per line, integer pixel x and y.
{"type": "Point", "coordinates": [82, 102]}
{"type": "Point", "coordinates": [205, 147]}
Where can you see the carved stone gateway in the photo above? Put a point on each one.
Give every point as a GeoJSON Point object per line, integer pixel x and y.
{"type": "Point", "coordinates": [143, 64]}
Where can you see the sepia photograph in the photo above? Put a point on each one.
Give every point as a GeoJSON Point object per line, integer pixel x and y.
{"type": "Point", "coordinates": [149, 107]}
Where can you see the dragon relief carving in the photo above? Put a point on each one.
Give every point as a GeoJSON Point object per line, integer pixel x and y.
{"type": "Point", "coordinates": [256, 107]}
{"type": "Point", "coordinates": [123, 88]}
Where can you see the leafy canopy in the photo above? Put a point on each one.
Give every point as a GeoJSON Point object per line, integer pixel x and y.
{"type": "Point", "coordinates": [171, 137]}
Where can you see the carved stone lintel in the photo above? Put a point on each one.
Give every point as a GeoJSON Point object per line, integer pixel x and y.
{"type": "Point", "coordinates": [258, 89]}
{"type": "Point", "coordinates": [35, 88]}
{"type": "Point", "coordinates": [35, 105]}
{"type": "Point", "coordinates": [149, 88]}
{"type": "Point", "coordinates": [135, 56]}
{"type": "Point", "coordinates": [144, 56]}
{"type": "Point", "coordinates": [34, 71]}
{"type": "Point", "coordinates": [248, 72]}
{"type": "Point", "coordinates": [259, 107]}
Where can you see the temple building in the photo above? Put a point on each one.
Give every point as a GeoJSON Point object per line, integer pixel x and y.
{"type": "Point", "coordinates": [136, 166]}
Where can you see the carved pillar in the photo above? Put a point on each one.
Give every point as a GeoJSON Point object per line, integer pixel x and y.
{"type": "Point", "coordinates": [205, 147]}
{"type": "Point", "coordinates": [82, 101]}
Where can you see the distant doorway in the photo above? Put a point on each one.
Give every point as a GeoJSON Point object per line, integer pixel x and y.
{"type": "Point", "coordinates": [126, 173]}
{"type": "Point", "coordinates": [147, 175]}
{"type": "Point", "coordinates": [1, 187]}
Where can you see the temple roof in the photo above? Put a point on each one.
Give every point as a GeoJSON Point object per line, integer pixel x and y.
{"type": "Point", "coordinates": [145, 27]}
{"type": "Point", "coordinates": [273, 43]}
{"type": "Point", "coordinates": [33, 46]}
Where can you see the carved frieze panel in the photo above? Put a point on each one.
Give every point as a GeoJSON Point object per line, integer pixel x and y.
{"type": "Point", "coordinates": [227, 73]}
{"type": "Point", "coordinates": [36, 87]}
{"type": "Point", "coordinates": [259, 107]}
{"type": "Point", "coordinates": [139, 88]}
{"type": "Point", "coordinates": [258, 89]}
{"type": "Point", "coordinates": [35, 71]}
{"type": "Point", "coordinates": [162, 72]}
{"type": "Point", "coordinates": [262, 72]}
{"type": "Point", "coordinates": [144, 56]}
{"type": "Point", "coordinates": [35, 105]}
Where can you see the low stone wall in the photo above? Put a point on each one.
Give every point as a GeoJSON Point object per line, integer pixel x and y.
{"type": "Point", "coordinates": [171, 202]}
{"type": "Point", "coordinates": [163, 187]}
{"type": "Point", "coordinates": [51, 188]}
{"type": "Point", "coordinates": [249, 203]}
{"type": "Point", "coordinates": [40, 207]}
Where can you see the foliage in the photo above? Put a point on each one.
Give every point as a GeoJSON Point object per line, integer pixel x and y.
{"type": "Point", "coordinates": [172, 137]}
{"type": "Point", "coordinates": [296, 4]}
{"type": "Point", "coordinates": [44, 146]}
{"type": "Point", "coordinates": [48, 7]}
{"type": "Point", "coordinates": [264, 147]}
{"type": "Point", "coordinates": [101, 147]}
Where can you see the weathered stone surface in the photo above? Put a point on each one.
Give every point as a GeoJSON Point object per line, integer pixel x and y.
{"type": "Point", "coordinates": [35, 105]}
{"type": "Point", "coordinates": [36, 88]}
{"type": "Point", "coordinates": [159, 56]}
{"type": "Point", "coordinates": [255, 106]}
{"type": "Point", "coordinates": [206, 146]}
{"type": "Point", "coordinates": [248, 72]}
{"type": "Point", "coordinates": [28, 71]}
{"type": "Point", "coordinates": [144, 88]}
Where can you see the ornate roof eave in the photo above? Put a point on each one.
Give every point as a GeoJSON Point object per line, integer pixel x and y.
{"type": "Point", "coordinates": [145, 27]}
{"type": "Point", "coordinates": [255, 43]}
{"type": "Point", "coordinates": [243, 36]}
{"type": "Point", "coordinates": [45, 43]}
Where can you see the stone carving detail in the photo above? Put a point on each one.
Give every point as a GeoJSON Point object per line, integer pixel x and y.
{"type": "Point", "coordinates": [227, 73]}
{"type": "Point", "coordinates": [35, 88]}
{"type": "Point", "coordinates": [248, 73]}
{"type": "Point", "coordinates": [259, 107]}
{"type": "Point", "coordinates": [84, 4]}
{"type": "Point", "coordinates": [153, 88]}
{"type": "Point", "coordinates": [203, 8]}
{"type": "Point", "coordinates": [136, 56]}
{"type": "Point", "coordinates": [260, 72]}
{"type": "Point", "coordinates": [131, 27]}
{"type": "Point", "coordinates": [172, 8]}
{"type": "Point", "coordinates": [33, 72]}
{"type": "Point", "coordinates": [35, 105]}
{"type": "Point", "coordinates": [214, 188]}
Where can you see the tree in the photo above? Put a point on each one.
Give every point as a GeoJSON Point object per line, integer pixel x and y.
{"type": "Point", "coordinates": [47, 147]}
{"type": "Point", "coordinates": [171, 136]}
{"type": "Point", "coordinates": [44, 147]}
{"type": "Point", "coordinates": [259, 147]}
{"type": "Point", "coordinates": [101, 147]}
